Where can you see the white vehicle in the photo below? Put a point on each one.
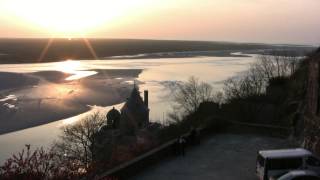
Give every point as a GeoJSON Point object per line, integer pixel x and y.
{"type": "Point", "coordinates": [274, 163]}
{"type": "Point", "coordinates": [300, 175]}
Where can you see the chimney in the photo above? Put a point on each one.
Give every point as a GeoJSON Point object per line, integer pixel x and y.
{"type": "Point", "coordinates": [146, 99]}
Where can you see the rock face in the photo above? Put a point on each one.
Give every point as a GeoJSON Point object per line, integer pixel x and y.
{"type": "Point", "coordinates": [312, 96]}
{"type": "Point", "coordinates": [312, 118]}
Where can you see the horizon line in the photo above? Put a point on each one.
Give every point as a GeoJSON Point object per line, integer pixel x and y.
{"type": "Point", "coordinates": [182, 40]}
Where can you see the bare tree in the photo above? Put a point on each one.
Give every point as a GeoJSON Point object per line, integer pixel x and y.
{"type": "Point", "coordinates": [248, 84]}
{"type": "Point", "coordinates": [277, 64]}
{"type": "Point", "coordinates": [256, 79]}
{"type": "Point", "coordinates": [190, 94]}
{"type": "Point", "coordinates": [78, 140]}
{"type": "Point", "coordinates": [218, 97]}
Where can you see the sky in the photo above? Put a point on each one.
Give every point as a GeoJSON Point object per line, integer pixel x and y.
{"type": "Point", "coordinates": [262, 21]}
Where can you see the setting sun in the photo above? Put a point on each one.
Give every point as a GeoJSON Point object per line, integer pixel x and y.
{"type": "Point", "coordinates": [71, 17]}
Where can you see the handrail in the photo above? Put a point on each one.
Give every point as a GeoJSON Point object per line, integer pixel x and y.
{"type": "Point", "coordinates": [259, 125]}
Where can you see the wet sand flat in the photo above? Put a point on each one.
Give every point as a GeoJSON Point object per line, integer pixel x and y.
{"type": "Point", "coordinates": [42, 97]}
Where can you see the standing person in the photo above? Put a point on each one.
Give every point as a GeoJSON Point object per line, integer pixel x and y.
{"type": "Point", "coordinates": [176, 148]}
{"type": "Point", "coordinates": [197, 136]}
{"type": "Point", "coordinates": [182, 143]}
{"type": "Point", "coordinates": [193, 136]}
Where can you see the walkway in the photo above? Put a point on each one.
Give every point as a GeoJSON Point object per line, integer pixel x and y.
{"type": "Point", "coordinates": [224, 156]}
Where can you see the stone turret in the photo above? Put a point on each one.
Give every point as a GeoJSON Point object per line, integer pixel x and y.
{"type": "Point", "coordinates": [113, 118]}
{"type": "Point", "coordinates": [146, 98]}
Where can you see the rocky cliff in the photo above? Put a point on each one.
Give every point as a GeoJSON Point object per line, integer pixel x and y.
{"type": "Point", "coordinates": [311, 135]}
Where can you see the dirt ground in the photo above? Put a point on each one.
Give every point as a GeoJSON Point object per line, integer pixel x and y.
{"type": "Point", "coordinates": [221, 157]}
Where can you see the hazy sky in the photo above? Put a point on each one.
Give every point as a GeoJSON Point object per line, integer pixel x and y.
{"type": "Point", "coordinates": [270, 21]}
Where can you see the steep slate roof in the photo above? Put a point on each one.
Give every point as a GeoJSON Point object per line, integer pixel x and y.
{"type": "Point", "coordinates": [135, 103]}
{"type": "Point", "coordinates": [134, 113]}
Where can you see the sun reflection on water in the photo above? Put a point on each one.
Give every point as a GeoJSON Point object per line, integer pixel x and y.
{"type": "Point", "coordinates": [74, 68]}
{"type": "Point", "coordinates": [69, 66]}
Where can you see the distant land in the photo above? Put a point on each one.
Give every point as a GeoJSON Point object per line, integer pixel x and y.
{"type": "Point", "coordinates": [30, 50]}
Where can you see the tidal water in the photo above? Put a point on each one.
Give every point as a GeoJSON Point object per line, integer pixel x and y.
{"type": "Point", "coordinates": [155, 77]}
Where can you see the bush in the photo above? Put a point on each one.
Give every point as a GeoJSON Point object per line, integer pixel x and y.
{"type": "Point", "coordinates": [32, 165]}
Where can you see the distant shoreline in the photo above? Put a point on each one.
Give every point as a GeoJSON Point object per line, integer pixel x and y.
{"type": "Point", "coordinates": [30, 50]}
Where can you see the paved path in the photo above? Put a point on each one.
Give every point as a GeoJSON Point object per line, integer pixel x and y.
{"type": "Point", "coordinates": [225, 156]}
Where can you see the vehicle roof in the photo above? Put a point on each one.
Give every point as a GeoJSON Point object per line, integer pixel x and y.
{"type": "Point", "coordinates": [279, 153]}
{"type": "Point", "coordinates": [297, 173]}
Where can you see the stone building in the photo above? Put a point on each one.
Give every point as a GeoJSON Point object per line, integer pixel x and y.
{"type": "Point", "coordinates": [134, 115]}
{"type": "Point", "coordinates": [125, 128]}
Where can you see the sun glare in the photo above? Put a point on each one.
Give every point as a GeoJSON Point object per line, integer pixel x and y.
{"type": "Point", "coordinates": [74, 68]}
{"type": "Point", "coordinates": [71, 17]}
{"type": "Point", "coordinates": [68, 66]}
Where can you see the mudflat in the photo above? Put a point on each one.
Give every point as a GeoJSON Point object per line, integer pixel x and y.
{"type": "Point", "coordinates": [32, 99]}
